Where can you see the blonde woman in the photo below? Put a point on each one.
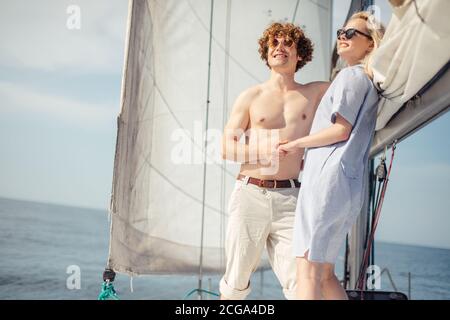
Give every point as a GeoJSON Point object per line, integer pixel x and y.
{"type": "Point", "coordinates": [336, 162]}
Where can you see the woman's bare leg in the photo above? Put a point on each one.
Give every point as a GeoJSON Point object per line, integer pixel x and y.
{"type": "Point", "coordinates": [309, 275]}
{"type": "Point", "coordinates": [330, 285]}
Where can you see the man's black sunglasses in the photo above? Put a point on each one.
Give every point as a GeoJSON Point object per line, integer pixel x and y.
{"type": "Point", "coordinates": [350, 33]}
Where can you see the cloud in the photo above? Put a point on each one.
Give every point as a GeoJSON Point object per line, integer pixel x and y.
{"type": "Point", "coordinates": [22, 99]}
{"type": "Point", "coordinates": [34, 35]}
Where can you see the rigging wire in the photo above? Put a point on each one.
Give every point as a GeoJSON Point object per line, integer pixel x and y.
{"type": "Point", "coordinates": [200, 275]}
{"type": "Point", "coordinates": [224, 116]}
{"type": "Point", "coordinates": [251, 75]}
{"type": "Point", "coordinates": [295, 11]}
{"type": "Point", "coordinates": [319, 5]}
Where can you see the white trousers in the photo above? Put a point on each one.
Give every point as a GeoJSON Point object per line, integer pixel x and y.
{"type": "Point", "coordinates": [258, 218]}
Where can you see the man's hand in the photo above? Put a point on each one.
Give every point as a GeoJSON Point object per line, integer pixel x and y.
{"type": "Point", "coordinates": [279, 151]}
{"type": "Point", "coordinates": [287, 148]}
{"type": "Point", "coordinates": [276, 154]}
{"type": "Point", "coordinates": [273, 155]}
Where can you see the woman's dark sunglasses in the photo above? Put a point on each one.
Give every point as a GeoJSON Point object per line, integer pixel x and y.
{"type": "Point", "coordinates": [350, 33]}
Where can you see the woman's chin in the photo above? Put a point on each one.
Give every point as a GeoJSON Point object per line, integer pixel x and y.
{"type": "Point", "coordinates": [343, 51]}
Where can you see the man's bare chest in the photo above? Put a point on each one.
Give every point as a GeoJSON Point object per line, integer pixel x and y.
{"type": "Point", "coordinates": [274, 112]}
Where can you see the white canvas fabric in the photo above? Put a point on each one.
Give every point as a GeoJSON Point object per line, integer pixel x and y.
{"type": "Point", "coordinates": [415, 47]}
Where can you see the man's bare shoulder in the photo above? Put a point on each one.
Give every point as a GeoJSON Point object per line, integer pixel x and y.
{"type": "Point", "coordinates": [314, 91]}
{"type": "Point", "coordinates": [317, 86]}
{"type": "Point", "coordinates": [246, 98]}
{"type": "Point", "coordinates": [250, 93]}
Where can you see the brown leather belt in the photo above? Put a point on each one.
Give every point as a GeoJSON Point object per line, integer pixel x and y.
{"type": "Point", "coordinates": [272, 184]}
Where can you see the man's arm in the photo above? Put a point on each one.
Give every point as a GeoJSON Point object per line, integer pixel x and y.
{"type": "Point", "coordinates": [236, 126]}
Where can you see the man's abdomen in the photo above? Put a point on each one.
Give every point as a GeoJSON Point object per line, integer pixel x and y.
{"type": "Point", "coordinates": [288, 168]}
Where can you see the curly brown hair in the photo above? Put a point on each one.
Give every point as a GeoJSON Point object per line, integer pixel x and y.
{"type": "Point", "coordinates": [289, 30]}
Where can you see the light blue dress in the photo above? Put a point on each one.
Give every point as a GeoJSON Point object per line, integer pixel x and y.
{"type": "Point", "coordinates": [334, 179]}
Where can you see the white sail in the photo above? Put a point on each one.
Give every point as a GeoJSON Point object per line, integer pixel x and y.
{"type": "Point", "coordinates": [415, 48]}
{"type": "Point", "coordinates": [157, 206]}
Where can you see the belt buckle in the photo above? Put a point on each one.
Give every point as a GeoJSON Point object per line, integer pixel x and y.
{"type": "Point", "coordinates": [261, 183]}
{"type": "Point", "coordinates": [274, 184]}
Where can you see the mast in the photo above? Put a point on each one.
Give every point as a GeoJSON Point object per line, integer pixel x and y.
{"type": "Point", "coordinates": [358, 235]}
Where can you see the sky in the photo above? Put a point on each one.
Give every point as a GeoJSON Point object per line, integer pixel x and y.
{"type": "Point", "coordinates": [60, 91]}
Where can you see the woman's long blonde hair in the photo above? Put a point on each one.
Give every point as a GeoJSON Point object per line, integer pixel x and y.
{"type": "Point", "coordinates": [376, 31]}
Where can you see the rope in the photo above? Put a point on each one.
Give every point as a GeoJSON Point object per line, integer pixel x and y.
{"type": "Point", "coordinates": [108, 292]}
{"type": "Point", "coordinates": [417, 12]}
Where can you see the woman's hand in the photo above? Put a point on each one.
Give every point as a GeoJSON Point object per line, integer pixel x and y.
{"type": "Point", "coordinates": [286, 148]}
{"type": "Point", "coordinates": [276, 153]}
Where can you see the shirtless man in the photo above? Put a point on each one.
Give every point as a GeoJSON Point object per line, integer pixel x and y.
{"type": "Point", "coordinates": [262, 204]}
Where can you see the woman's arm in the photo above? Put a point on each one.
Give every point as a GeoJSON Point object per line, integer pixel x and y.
{"type": "Point", "coordinates": [351, 87]}
{"type": "Point", "coordinates": [337, 132]}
